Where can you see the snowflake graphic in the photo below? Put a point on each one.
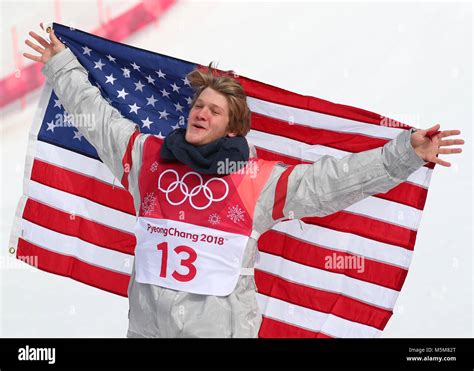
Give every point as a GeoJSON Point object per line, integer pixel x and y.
{"type": "Point", "coordinates": [235, 213]}
{"type": "Point", "coordinates": [148, 204]}
{"type": "Point", "coordinates": [214, 219]}
{"type": "Point", "coordinates": [154, 167]}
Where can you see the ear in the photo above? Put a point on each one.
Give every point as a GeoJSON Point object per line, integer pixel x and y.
{"type": "Point", "coordinates": [231, 135]}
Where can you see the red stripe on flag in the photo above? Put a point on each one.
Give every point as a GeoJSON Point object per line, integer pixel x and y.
{"type": "Point", "coordinates": [364, 226]}
{"type": "Point", "coordinates": [408, 194]}
{"type": "Point", "coordinates": [77, 226]}
{"type": "Point", "coordinates": [321, 301]}
{"type": "Point", "coordinates": [271, 328]}
{"type": "Point", "coordinates": [311, 255]}
{"type": "Point", "coordinates": [74, 268]}
{"type": "Point", "coordinates": [266, 154]}
{"type": "Point", "coordinates": [83, 186]}
{"type": "Point", "coordinates": [277, 95]}
{"type": "Point", "coordinates": [349, 142]}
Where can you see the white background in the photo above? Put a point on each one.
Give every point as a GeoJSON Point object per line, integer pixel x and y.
{"type": "Point", "coordinates": [411, 61]}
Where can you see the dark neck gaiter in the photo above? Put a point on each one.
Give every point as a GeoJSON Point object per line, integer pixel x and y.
{"type": "Point", "coordinates": [205, 159]}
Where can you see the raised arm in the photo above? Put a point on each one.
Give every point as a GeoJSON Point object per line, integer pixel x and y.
{"type": "Point", "coordinates": [108, 132]}
{"type": "Point", "coordinates": [330, 184]}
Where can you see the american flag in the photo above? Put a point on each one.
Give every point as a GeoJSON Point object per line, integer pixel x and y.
{"type": "Point", "coordinates": [78, 219]}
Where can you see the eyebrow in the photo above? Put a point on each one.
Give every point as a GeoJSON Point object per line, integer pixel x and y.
{"type": "Point", "coordinates": [212, 104]}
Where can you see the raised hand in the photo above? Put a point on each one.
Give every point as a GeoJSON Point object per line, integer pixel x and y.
{"type": "Point", "coordinates": [47, 49]}
{"type": "Point", "coordinates": [427, 148]}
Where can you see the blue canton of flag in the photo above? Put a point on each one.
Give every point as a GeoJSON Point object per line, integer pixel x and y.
{"type": "Point", "coordinates": [147, 88]}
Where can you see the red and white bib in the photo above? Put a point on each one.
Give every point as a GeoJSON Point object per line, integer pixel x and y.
{"type": "Point", "coordinates": [193, 228]}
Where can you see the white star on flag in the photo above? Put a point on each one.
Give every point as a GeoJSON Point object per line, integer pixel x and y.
{"type": "Point", "coordinates": [161, 74]}
{"type": "Point", "coordinates": [163, 114]}
{"type": "Point", "coordinates": [110, 79]}
{"type": "Point", "coordinates": [134, 108]}
{"type": "Point", "coordinates": [179, 107]}
{"type": "Point", "coordinates": [139, 86]}
{"type": "Point", "coordinates": [99, 64]}
{"type": "Point", "coordinates": [147, 123]}
{"type": "Point", "coordinates": [150, 79]}
{"type": "Point", "coordinates": [175, 87]}
{"type": "Point", "coordinates": [86, 50]}
{"type": "Point", "coordinates": [151, 100]}
{"type": "Point", "coordinates": [122, 93]}
{"type": "Point", "coordinates": [51, 126]}
{"type": "Point", "coordinates": [126, 72]}
{"type": "Point", "coordinates": [77, 135]}
{"type": "Point", "coordinates": [186, 81]}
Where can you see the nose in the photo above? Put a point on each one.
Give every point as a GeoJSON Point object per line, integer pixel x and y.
{"type": "Point", "coordinates": [202, 113]}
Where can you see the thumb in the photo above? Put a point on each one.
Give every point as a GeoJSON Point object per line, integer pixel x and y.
{"type": "Point", "coordinates": [433, 129]}
{"type": "Point", "coordinates": [54, 39]}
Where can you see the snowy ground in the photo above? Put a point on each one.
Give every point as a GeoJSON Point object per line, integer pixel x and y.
{"type": "Point", "coordinates": [411, 61]}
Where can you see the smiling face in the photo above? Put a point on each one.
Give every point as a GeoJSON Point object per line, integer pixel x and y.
{"type": "Point", "coordinates": [208, 119]}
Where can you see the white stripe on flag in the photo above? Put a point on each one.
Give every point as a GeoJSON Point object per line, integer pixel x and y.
{"type": "Point", "coordinates": [72, 246]}
{"type": "Point", "coordinates": [319, 120]}
{"type": "Point", "coordinates": [387, 211]}
{"type": "Point", "coordinates": [75, 162]}
{"type": "Point", "coordinates": [313, 320]}
{"type": "Point", "coordinates": [291, 147]}
{"type": "Point", "coordinates": [346, 242]}
{"type": "Point", "coordinates": [80, 206]}
{"type": "Point", "coordinates": [366, 292]}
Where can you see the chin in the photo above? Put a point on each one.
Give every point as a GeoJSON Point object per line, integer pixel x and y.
{"type": "Point", "coordinates": [193, 139]}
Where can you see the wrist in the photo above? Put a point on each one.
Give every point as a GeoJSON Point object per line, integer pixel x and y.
{"type": "Point", "coordinates": [416, 149]}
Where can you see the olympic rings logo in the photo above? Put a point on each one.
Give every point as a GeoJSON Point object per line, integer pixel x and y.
{"type": "Point", "coordinates": [207, 191]}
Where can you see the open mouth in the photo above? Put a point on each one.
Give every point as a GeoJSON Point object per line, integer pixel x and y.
{"type": "Point", "coordinates": [198, 126]}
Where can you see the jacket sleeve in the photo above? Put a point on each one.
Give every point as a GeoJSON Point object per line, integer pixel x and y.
{"type": "Point", "coordinates": [108, 131]}
{"type": "Point", "coordinates": [330, 184]}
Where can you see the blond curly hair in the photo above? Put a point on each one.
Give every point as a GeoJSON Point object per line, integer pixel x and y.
{"type": "Point", "coordinates": [224, 83]}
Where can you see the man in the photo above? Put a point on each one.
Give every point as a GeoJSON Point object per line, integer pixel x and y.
{"type": "Point", "coordinates": [198, 222]}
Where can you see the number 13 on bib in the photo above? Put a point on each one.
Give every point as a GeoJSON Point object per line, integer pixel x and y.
{"type": "Point", "coordinates": [187, 257]}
